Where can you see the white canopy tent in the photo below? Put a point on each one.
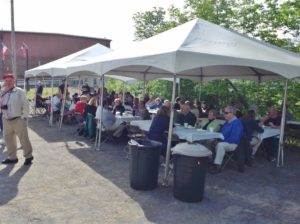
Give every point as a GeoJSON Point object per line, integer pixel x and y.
{"type": "Point", "coordinates": [58, 67]}
{"type": "Point", "coordinates": [200, 51]}
{"type": "Point", "coordinates": [197, 50]}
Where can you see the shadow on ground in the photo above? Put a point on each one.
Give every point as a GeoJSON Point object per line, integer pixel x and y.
{"type": "Point", "coordinates": [263, 194]}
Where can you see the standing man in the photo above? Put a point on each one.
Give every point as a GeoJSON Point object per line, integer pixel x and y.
{"type": "Point", "coordinates": [232, 131]}
{"type": "Point", "coordinates": [15, 110]}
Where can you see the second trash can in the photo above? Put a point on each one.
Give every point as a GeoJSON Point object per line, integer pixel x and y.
{"type": "Point", "coordinates": [190, 165]}
{"type": "Point", "coordinates": [144, 164]}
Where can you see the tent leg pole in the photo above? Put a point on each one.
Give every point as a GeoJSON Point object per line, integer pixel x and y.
{"type": "Point", "coordinates": [168, 153]}
{"type": "Point", "coordinates": [99, 127]}
{"type": "Point", "coordinates": [282, 126]}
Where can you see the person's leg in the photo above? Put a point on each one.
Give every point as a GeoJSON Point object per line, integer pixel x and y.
{"type": "Point", "coordinates": [255, 143]}
{"type": "Point", "coordinates": [22, 133]}
{"type": "Point", "coordinates": [221, 148]}
{"type": "Point", "coordinates": [274, 148]}
{"type": "Point", "coordinates": [10, 140]}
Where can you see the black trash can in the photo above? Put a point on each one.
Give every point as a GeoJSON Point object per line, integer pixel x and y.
{"type": "Point", "coordinates": [190, 166]}
{"type": "Point", "coordinates": [144, 164]}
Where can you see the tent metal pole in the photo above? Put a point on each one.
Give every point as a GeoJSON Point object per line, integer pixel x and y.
{"type": "Point", "coordinates": [144, 86]}
{"type": "Point", "coordinates": [99, 126]}
{"type": "Point", "coordinates": [201, 83]}
{"type": "Point", "coordinates": [123, 96]}
{"type": "Point", "coordinates": [34, 101]}
{"type": "Point", "coordinates": [51, 104]}
{"type": "Point", "coordinates": [78, 86]}
{"type": "Point", "coordinates": [62, 109]}
{"type": "Point", "coordinates": [282, 126]}
{"type": "Point", "coordinates": [179, 89]}
{"type": "Point", "coordinates": [170, 133]}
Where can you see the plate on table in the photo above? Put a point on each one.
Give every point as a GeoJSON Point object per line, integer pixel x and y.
{"type": "Point", "coordinates": [201, 130]}
{"type": "Point", "coordinates": [190, 127]}
{"type": "Point", "coordinates": [176, 124]}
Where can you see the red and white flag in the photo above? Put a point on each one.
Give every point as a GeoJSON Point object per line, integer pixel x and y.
{"type": "Point", "coordinates": [3, 50]}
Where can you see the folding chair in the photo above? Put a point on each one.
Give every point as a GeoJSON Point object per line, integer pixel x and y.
{"type": "Point", "coordinates": [108, 135]}
{"type": "Point", "coordinates": [239, 156]}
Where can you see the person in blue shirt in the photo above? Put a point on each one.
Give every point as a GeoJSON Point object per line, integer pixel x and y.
{"type": "Point", "coordinates": [158, 104]}
{"type": "Point", "coordinates": [159, 125]}
{"type": "Point", "coordinates": [232, 131]}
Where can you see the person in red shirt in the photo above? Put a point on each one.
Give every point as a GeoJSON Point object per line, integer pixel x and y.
{"type": "Point", "coordinates": [79, 106]}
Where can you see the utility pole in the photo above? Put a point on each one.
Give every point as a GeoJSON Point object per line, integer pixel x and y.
{"type": "Point", "coordinates": [13, 40]}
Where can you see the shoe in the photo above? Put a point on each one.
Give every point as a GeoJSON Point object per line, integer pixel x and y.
{"type": "Point", "coordinates": [28, 161]}
{"type": "Point", "coordinates": [241, 169]}
{"type": "Point", "coordinates": [10, 161]}
{"type": "Point", "coordinates": [215, 169]}
{"type": "Point", "coordinates": [249, 162]}
{"type": "Point", "coordinates": [272, 159]}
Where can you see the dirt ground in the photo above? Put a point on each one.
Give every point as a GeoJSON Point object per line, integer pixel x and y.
{"type": "Point", "coordinates": [70, 182]}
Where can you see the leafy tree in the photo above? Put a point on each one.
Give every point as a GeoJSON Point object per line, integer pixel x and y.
{"type": "Point", "coordinates": [272, 21]}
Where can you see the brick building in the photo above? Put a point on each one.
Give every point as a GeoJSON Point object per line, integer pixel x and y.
{"type": "Point", "coordinates": [34, 49]}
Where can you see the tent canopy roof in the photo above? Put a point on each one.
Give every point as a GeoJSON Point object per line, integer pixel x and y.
{"type": "Point", "coordinates": [198, 50]}
{"type": "Point", "coordinates": [58, 67]}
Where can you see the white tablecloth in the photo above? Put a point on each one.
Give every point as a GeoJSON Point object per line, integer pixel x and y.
{"type": "Point", "coordinates": [142, 124]}
{"type": "Point", "coordinates": [188, 134]}
{"type": "Point", "coordinates": [126, 118]}
{"type": "Point", "coordinates": [269, 132]}
{"type": "Point", "coordinates": [192, 134]}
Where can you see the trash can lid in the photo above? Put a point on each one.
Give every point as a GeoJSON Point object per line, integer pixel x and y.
{"type": "Point", "coordinates": [147, 143]}
{"type": "Point", "coordinates": [187, 149]}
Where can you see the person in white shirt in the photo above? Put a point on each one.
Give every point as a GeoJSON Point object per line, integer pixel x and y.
{"type": "Point", "coordinates": [15, 110]}
{"type": "Point", "coordinates": [108, 119]}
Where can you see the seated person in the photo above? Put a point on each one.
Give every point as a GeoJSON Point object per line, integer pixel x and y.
{"type": "Point", "coordinates": [128, 99]}
{"type": "Point", "coordinates": [273, 120]}
{"type": "Point", "coordinates": [40, 101]}
{"type": "Point", "coordinates": [251, 128]}
{"type": "Point", "coordinates": [118, 107]}
{"type": "Point", "coordinates": [150, 103]}
{"type": "Point", "coordinates": [142, 111]}
{"type": "Point", "coordinates": [177, 103]}
{"type": "Point", "coordinates": [210, 123]}
{"type": "Point", "coordinates": [197, 105]}
{"type": "Point", "coordinates": [108, 118]}
{"type": "Point", "coordinates": [193, 109]}
{"type": "Point", "coordinates": [232, 131]}
{"type": "Point", "coordinates": [158, 104]}
{"type": "Point", "coordinates": [79, 106]}
{"type": "Point", "coordinates": [85, 89]}
{"type": "Point", "coordinates": [186, 116]}
{"type": "Point", "coordinates": [75, 98]}
{"type": "Point", "coordinates": [56, 103]}
{"type": "Point", "coordinates": [90, 107]}
{"type": "Point", "coordinates": [159, 125]}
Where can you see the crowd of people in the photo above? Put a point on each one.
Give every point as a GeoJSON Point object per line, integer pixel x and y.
{"type": "Point", "coordinates": [83, 109]}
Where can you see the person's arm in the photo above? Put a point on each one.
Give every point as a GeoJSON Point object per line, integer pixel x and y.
{"type": "Point", "coordinates": [25, 106]}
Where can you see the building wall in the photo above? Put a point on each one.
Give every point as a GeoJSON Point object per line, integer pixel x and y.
{"type": "Point", "coordinates": [42, 48]}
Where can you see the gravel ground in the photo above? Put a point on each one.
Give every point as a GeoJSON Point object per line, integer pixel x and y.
{"type": "Point", "coordinates": [70, 182]}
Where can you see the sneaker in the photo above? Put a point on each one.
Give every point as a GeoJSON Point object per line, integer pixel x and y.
{"type": "Point", "coordinates": [273, 159]}
{"type": "Point", "coordinates": [28, 161]}
{"type": "Point", "coordinates": [215, 169]}
{"type": "Point", "coordinates": [10, 161]}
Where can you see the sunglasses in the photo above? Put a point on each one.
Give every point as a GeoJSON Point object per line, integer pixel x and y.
{"type": "Point", "coordinates": [226, 112]}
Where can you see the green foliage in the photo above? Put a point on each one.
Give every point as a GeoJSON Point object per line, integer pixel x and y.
{"type": "Point", "coordinates": [273, 21]}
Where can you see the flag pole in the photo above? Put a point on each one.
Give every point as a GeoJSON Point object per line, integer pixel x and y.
{"type": "Point", "coordinates": [13, 40]}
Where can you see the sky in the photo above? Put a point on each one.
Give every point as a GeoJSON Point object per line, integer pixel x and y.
{"type": "Point", "coordinates": [111, 19]}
